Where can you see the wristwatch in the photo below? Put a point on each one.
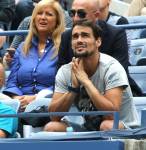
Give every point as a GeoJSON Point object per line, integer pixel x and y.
{"type": "Point", "coordinates": [73, 89]}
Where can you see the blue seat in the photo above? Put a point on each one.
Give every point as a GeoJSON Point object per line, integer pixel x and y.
{"type": "Point", "coordinates": [138, 73]}
{"type": "Point", "coordinates": [136, 33]}
{"type": "Point", "coordinates": [140, 104]}
{"type": "Point", "coordinates": [137, 52]}
{"type": "Point", "coordinates": [143, 116]}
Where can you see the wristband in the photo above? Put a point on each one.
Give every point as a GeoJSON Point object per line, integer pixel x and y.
{"type": "Point", "coordinates": [72, 89]}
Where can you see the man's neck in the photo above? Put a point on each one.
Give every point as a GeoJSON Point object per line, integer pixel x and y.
{"type": "Point", "coordinates": [91, 63]}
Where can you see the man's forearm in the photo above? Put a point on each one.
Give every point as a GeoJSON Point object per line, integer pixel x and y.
{"type": "Point", "coordinates": [62, 104]}
{"type": "Point", "coordinates": [100, 101]}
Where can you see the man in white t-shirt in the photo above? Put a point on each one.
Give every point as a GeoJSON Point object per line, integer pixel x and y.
{"type": "Point", "coordinates": [92, 81]}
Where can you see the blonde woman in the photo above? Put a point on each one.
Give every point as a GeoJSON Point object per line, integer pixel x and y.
{"type": "Point", "coordinates": [34, 65]}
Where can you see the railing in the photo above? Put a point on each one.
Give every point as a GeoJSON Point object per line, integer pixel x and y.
{"type": "Point", "coordinates": [93, 113]}
{"type": "Point", "coordinates": [22, 32]}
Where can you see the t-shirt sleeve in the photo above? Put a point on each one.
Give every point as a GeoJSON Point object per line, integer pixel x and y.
{"type": "Point", "coordinates": [115, 77]}
{"type": "Point", "coordinates": [62, 80]}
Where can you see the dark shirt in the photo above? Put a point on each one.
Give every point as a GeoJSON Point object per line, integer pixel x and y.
{"type": "Point", "coordinates": [115, 19]}
{"type": "Point", "coordinates": [114, 43]}
{"type": "Point", "coordinates": [7, 10]}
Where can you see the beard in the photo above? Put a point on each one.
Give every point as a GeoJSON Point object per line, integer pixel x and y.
{"type": "Point", "coordinates": [83, 54]}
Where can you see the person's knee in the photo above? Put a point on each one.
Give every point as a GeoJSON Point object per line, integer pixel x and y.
{"type": "Point", "coordinates": [3, 134]}
{"type": "Point", "coordinates": [55, 127]}
{"type": "Point", "coordinates": [106, 125]}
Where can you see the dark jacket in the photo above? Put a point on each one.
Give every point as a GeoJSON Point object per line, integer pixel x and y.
{"type": "Point", "coordinates": [7, 10]}
{"type": "Point", "coordinates": [114, 43]}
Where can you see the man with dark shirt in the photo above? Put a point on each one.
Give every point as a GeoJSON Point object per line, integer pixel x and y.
{"type": "Point", "coordinates": [114, 40]}
{"type": "Point", "coordinates": [108, 16]}
{"type": "Point", "coordinates": [7, 11]}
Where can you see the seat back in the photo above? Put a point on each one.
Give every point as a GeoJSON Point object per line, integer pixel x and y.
{"type": "Point", "coordinates": [137, 51]}
{"type": "Point", "coordinates": [143, 116]}
{"type": "Point", "coordinates": [140, 103]}
{"type": "Point", "coordinates": [136, 33]}
{"type": "Point", "coordinates": [138, 73]}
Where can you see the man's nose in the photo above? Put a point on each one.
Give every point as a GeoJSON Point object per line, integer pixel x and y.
{"type": "Point", "coordinates": [79, 39]}
{"type": "Point", "coordinates": [76, 18]}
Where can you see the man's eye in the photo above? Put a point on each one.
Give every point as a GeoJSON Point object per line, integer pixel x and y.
{"type": "Point", "coordinates": [75, 36]}
{"type": "Point", "coordinates": [85, 35]}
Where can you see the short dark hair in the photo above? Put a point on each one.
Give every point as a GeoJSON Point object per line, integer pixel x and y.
{"type": "Point", "coordinates": [97, 31]}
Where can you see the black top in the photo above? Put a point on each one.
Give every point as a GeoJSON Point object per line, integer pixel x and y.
{"type": "Point", "coordinates": [119, 20]}
{"type": "Point", "coordinates": [7, 10]}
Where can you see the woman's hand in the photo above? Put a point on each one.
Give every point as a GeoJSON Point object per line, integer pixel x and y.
{"type": "Point", "coordinates": [25, 100]}
{"type": "Point", "coordinates": [7, 59]}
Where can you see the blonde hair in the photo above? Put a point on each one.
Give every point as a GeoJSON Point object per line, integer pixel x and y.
{"type": "Point", "coordinates": [60, 27]}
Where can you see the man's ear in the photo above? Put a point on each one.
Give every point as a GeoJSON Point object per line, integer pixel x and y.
{"type": "Point", "coordinates": [98, 42]}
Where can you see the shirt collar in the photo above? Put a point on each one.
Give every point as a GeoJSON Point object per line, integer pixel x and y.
{"type": "Point", "coordinates": [35, 41]}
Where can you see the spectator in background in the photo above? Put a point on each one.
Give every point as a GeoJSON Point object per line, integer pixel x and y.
{"type": "Point", "coordinates": [35, 60]}
{"type": "Point", "coordinates": [137, 8]}
{"type": "Point", "coordinates": [114, 19]}
{"type": "Point", "coordinates": [7, 12]}
{"type": "Point", "coordinates": [23, 9]}
{"type": "Point", "coordinates": [8, 126]}
{"type": "Point", "coordinates": [110, 17]}
{"type": "Point", "coordinates": [104, 86]}
{"type": "Point", "coordinates": [66, 4]}
{"type": "Point", "coordinates": [116, 47]}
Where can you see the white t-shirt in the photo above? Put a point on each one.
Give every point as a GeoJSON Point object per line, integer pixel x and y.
{"type": "Point", "coordinates": [109, 74]}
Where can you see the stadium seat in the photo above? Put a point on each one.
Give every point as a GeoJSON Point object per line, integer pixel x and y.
{"type": "Point", "coordinates": [138, 73]}
{"type": "Point", "coordinates": [142, 61]}
{"type": "Point", "coordinates": [143, 116]}
{"type": "Point", "coordinates": [136, 33]}
{"type": "Point", "coordinates": [140, 103]}
{"type": "Point", "coordinates": [137, 52]}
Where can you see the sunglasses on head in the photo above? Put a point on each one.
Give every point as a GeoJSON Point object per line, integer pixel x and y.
{"type": "Point", "coordinates": [80, 12]}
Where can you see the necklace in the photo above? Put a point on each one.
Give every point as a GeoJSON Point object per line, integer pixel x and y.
{"type": "Point", "coordinates": [42, 51]}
